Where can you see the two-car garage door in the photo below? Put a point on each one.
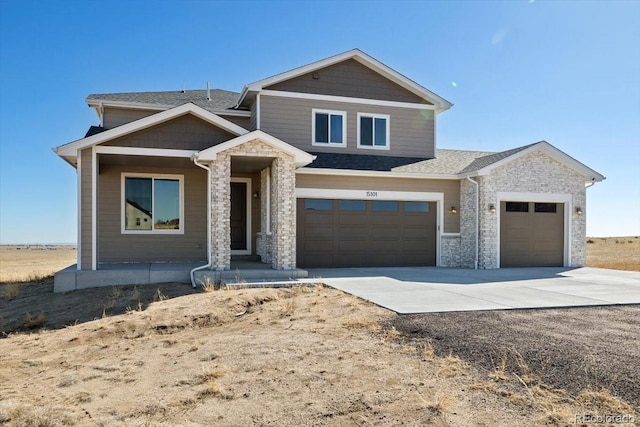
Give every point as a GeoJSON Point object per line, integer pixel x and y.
{"type": "Point", "coordinates": [365, 233]}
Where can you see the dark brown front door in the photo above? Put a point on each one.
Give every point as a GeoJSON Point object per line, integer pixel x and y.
{"type": "Point", "coordinates": [238, 216]}
{"type": "Point", "coordinates": [365, 233]}
{"type": "Point", "coordinates": [531, 234]}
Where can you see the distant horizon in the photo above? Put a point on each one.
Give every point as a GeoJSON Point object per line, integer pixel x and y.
{"type": "Point", "coordinates": [75, 244]}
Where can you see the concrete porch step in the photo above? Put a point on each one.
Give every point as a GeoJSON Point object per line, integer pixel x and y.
{"type": "Point", "coordinates": [252, 275]}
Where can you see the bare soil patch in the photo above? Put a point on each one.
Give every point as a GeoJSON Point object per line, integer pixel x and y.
{"type": "Point", "coordinates": [309, 356]}
{"type": "Point", "coordinates": [574, 349]}
{"type": "Point", "coordinates": [618, 253]}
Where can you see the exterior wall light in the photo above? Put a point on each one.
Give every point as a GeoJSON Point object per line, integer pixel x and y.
{"type": "Point", "coordinates": [453, 210]}
{"type": "Point", "coordinates": [492, 208]}
{"type": "Point", "coordinates": [578, 211]}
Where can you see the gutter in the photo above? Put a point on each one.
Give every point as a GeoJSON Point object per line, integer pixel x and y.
{"type": "Point", "coordinates": [475, 262]}
{"type": "Point", "coordinates": [194, 158]}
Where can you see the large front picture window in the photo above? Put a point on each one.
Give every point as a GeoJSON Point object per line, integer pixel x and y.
{"type": "Point", "coordinates": [152, 203]}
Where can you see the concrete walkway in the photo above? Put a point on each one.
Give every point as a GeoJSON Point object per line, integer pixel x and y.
{"type": "Point", "coordinates": [432, 289]}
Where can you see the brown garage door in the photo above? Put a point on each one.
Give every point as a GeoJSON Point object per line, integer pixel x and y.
{"type": "Point", "coordinates": [531, 234]}
{"type": "Point", "coordinates": [365, 233]}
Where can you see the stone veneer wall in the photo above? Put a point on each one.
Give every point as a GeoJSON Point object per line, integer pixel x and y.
{"type": "Point", "coordinates": [220, 213]}
{"type": "Point", "coordinates": [533, 173]}
{"type": "Point", "coordinates": [467, 223]}
{"type": "Point", "coordinates": [450, 253]}
{"type": "Point", "coordinates": [263, 239]}
{"type": "Point", "coordinates": [283, 213]}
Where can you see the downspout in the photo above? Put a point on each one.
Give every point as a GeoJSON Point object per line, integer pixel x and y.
{"type": "Point", "coordinates": [475, 262]}
{"type": "Point", "coordinates": [194, 158]}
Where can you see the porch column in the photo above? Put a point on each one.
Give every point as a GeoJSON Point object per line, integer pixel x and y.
{"type": "Point", "coordinates": [221, 212]}
{"type": "Point", "coordinates": [283, 213]}
{"type": "Point", "coordinates": [263, 239]}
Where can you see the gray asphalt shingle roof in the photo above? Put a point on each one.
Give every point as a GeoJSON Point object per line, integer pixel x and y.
{"type": "Point", "coordinates": [457, 161]}
{"type": "Point", "coordinates": [220, 99]}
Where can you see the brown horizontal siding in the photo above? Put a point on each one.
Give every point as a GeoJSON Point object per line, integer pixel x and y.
{"type": "Point", "coordinates": [450, 189]}
{"type": "Point", "coordinates": [243, 122]}
{"type": "Point", "coordinates": [290, 119]}
{"type": "Point", "coordinates": [114, 117]}
{"type": "Point", "coordinates": [113, 246]}
{"type": "Point", "coordinates": [185, 133]}
{"type": "Point", "coordinates": [85, 209]}
{"type": "Point", "coordinates": [348, 78]}
{"type": "Point", "coordinates": [253, 120]}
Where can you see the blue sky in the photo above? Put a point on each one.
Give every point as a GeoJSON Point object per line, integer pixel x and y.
{"type": "Point", "coordinates": [517, 72]}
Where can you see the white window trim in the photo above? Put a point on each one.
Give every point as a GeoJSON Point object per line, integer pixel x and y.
{"type": "Point", "coordinates": [344, 128]}
{"type": "Point", "coordinates": [123, 221]}
{"type": "Point", "coordinates": [388, 129]}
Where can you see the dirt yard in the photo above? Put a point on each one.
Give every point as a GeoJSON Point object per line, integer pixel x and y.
{"type": "Point", "coordinates": [171, 355]}
{"type": "Point", "coordinates": [288, 357]}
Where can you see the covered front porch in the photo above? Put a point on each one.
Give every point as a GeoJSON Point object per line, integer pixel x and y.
{"type": "Point", "coordinates": [232, 200]}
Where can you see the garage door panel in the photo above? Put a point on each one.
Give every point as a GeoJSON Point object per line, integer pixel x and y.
{"type": "Point", "coordinates": [351, 232]}
{"type": "Point", "coordinates": [532, 237]}
{"type": "Point", "coordinates": [385, 233]}
{"type": "Point", "coordinates": [380, 218]}
{"type": "Point", "coordinates": [351, 219]}
{"type": "Point", "coordinates": [319, 219]}
{"type": "Point", "coordinates": [318, 232]}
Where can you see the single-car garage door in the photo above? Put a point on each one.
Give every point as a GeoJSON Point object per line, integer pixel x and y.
{"type": "Point", "coordinates": [365, 233]}
{"type": "Point", "coordinates": [531, 234]}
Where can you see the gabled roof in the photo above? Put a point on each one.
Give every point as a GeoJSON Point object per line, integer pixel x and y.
{"type": "Point", "coordinates": [366, 60]}
{"type": "Point", "coordinates": [477, 163]}
{"type": "Point", "coordinates": [300, 157]}
{"type": "Point", "coordinates": [222, 101]}
{"type": "Point", "coordinates": [70, 150]}
{"type": "Point", "coordinates": [484, 165]}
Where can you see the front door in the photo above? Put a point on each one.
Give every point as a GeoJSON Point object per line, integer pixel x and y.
{"type": "Point", "coordinates": [238, 216]}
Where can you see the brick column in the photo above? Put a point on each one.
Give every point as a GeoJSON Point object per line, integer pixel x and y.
{"type": "Point", "coordinates": [263, 237]}
{"type": "Point", "coordinates": [221, 213]}
{"type": "Point", "coordinates": [283, 214]}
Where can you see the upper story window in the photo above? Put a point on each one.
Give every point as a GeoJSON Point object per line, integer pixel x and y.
{"type": "Point", "coordinates": [373, 131]}
{"type": "Point", "coordinates": [152, 203]}
{"type": "Point", "coordinates": [329, 128]}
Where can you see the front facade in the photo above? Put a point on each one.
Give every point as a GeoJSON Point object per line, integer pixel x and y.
{"type": "Point", "coordinates": [333, 164]}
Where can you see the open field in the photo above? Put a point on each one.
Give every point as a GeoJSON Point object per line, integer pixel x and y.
{"type": "Point", "coordinates": [22, 263]}
{"type": "Point", "coordinates": [618, 253]}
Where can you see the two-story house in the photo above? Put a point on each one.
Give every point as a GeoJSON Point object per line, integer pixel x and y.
{"type": "Point", "coordinates": [333, 164]}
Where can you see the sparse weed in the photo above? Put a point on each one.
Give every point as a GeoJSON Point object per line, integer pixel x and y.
{"type": "Point", "coordinates": [289, 308]}
{"type": "Point", "coordinates": [440, 404]}
{"type": "Point", "coordinates": [208, 285]}
{"type": "Point", "coordinates": [10, 291]}
{"type": "Point", "coordinates": [450, 366]}
{"type": "Point", "coordinates": [31, 322]}
{"type": "Point", "coordinates": [159, 296]}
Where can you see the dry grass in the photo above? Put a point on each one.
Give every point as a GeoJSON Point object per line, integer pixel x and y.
{"type": "Point", "coordinates": [618, 253]}
{"type": "Point", "coordinates": [32, 263]}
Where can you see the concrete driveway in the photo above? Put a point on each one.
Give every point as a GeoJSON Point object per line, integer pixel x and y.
{"type": "Point", "coordinates": [432, 289]}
